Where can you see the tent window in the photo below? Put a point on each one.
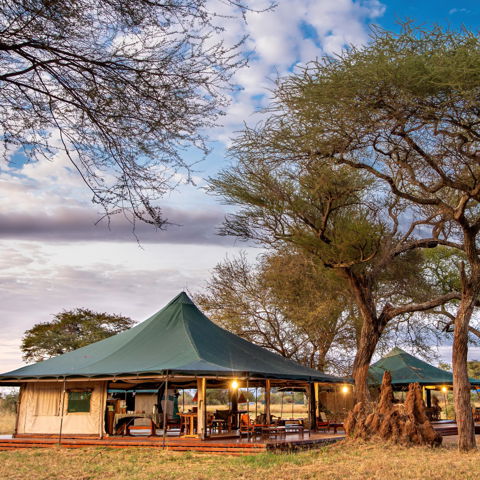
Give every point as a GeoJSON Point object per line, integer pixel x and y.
{"type": "Point", "coordinates": [79, 401]}
{"type": "Point", "coordinates": [47, 400]}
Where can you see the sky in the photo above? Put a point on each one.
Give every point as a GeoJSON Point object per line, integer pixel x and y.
{"type": "Point", "coordinates": [53, 255]}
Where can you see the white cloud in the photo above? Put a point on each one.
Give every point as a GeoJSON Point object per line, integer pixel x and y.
{"type": "Point", "coordinates": [458, 10]}
{"type": "Point", "coordinates": [295, 32]}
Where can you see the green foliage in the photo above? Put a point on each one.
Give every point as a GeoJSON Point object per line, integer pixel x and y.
{"type": "Point", "coordinates": [8, 402]}
{"type": "Point", "coordinates": [442, 266]}
{"type": "Point", "coordinates": [361, 163]}
{"type": "Point", "coordinates": [405, 108]}
{"type": "Point", "coordinates": [445, 366]}
{"type": "Point", "coordinates": [322, 210]}
{"type": "Point", "coordinates": [217, 397]}
{"type": "Point", "coordinates": [473, 368]}
{"type": "Point", "coordinates": [70, 330]}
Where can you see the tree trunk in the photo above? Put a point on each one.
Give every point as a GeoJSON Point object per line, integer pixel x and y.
{"type": "Point", "coordinates": [366, 348]}
{"type": "Point", "coordinates": [461, 383]}
{"type": "Point", "coordinates": [370, 333]}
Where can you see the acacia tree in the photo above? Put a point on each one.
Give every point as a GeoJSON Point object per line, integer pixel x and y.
{"type": "Point", "coordinates": [69, 330]}
{"type": "Point", "coordinates": [314, 300]}
{"type": "Point", "coordinates": [405, 110]}
{"type": "Point", "coordinates": [337, 215]}
{"type": "Point", "coordinates": [284, 303]}
{"type": "Point", "coordinates": [119, 86]}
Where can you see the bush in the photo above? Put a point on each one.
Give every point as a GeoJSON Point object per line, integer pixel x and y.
{"type": "Point", "coordinates": [8, 402]}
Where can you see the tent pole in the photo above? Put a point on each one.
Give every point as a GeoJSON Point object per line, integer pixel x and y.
{"type": "Point", "coordinates": [103, 408]}
{"type": "Point", "coordinates": [19, 405]}
{"type": "Point", "coordinates": [281, 404]}
{"type": "Point", "coordinates": [256, 403]}
{"type": "Point", "coordinates": [248, 413]}
{"type": "Point", "coordinates": [62, 409]}
{"type": "Point", "coordinates": [201, 407]}
{"type": "Point", "coordinates": [312, 410]}
{"type": "Point", "coordinates": [293, 403]}
{"type": "Point", "coordinates": [267, 401]}
{"type": "Point", "coordinates": [165, 406]}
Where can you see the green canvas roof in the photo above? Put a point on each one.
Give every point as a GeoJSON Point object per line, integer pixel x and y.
{"type": "Point", "coordinates": [406, 368]}
{"type": "Point", "coordinates": [179, 339]}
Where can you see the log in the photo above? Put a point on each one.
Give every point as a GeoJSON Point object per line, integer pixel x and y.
{"type": "Point", "coordinates": [400, 424]}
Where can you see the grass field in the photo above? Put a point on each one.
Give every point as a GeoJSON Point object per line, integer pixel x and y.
{"type": "Point", "coordinates": [7, 422]}
{"type": "Point", "coordinates": [340, 461]}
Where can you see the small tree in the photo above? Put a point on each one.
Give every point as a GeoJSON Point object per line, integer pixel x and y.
{"type": "Point", "coordinates": [69, 330]}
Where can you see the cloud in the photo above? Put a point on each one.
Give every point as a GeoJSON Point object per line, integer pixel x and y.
{"type": "Point", "coordinates": [52, 256]}
{"type": "Point", "coordinates": [292, 34]}
{"type": "Point", "coordinates": [452, 11]}
{"type": "Point", "coordinates": [80, 224]}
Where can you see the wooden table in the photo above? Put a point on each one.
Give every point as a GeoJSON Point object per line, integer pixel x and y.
{"type": "Point", "coordinates": [294, 428]}
{"type": "Point", "coordinates": [188, 419]}
{"type": "Point", "coordinates": [132, 416]}
{"type": "Point", "coordinates": [336, 426]}
{"type": "Point", "coordinates": [270, 431]}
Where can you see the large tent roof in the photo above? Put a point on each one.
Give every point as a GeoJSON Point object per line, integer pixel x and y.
{"type": "Point", "coordinates": [178, 340]}
{"type": "Point", "coordinates": [406, 368]}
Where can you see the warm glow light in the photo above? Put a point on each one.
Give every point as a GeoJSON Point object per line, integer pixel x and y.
{"type": "Point", "coordinates": [345, 389]}
{"type": "Point", "coordinates": [234, 384]}
{"type": "Point", "coordinates": [444, 389]}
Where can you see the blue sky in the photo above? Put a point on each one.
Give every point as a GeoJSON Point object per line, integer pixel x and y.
{"type": "Point", "coordinates": [53, 257]}
{"type": "Point", "coordinates": [447, 13]}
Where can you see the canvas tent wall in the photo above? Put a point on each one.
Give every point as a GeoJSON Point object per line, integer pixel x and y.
{"type": "Point", "coordinates": [45, 408]}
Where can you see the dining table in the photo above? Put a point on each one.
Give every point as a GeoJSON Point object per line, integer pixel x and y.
{"type": "Point", "coordinates": [188, 419]}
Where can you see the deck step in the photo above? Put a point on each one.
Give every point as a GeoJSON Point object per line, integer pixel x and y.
{"type": "Point", "coordinates": [220, 446]}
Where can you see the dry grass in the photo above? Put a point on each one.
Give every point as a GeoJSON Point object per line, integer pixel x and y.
{"type": "Point", "coordinates": [337, 462]}
{"type": "Point", "coordinates": [7, 422]}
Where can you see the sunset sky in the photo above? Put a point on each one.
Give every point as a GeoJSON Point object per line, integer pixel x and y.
{"type": "Point", "coordinates": [54, 257]}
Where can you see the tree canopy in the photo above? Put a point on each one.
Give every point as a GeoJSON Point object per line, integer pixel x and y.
{"type": "Point", "coordinates": [403, 109]}
{"type": "Point", "coordinates": [120, 87]}
{"type": "Point", "coordinates": [69, 330]}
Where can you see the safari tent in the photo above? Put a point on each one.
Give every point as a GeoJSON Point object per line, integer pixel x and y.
{"type": "Point", "coordinates": [406, 369]}
{"type": "Point", "coordinates": [81, 392]}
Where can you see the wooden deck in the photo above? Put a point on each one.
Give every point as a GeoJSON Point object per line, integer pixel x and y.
{"type": "Point", "coordinates": [449, 428]}
{"type": "Point", "coordinates": [234, 446]}
{"type": "Point", "coordinates": [226, 445]}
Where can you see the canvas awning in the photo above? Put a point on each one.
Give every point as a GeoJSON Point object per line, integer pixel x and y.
{"type": "Point", "coordinates": [178, 340]}
{"type": "Point", "coordinates": [406, 368]}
